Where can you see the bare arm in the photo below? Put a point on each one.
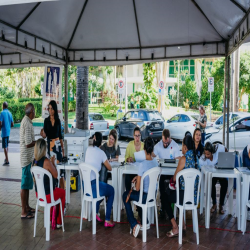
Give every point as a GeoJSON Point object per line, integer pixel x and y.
{"type": "Point", "coordinates": [107, 165]}
{"type": "Point", "coordinates": [12, 124]}
{"type": "Point", "coordinates": [203, 124]}
{"type": "Point", "coordinates": [180, 166]}
{"type": "Point", "coordinates": [50, 166]}
{"type": "Point", "coordinates": [31, 145]}
{"type": "Point", "coordinates": [43, 134]}
{"type": "Point", "coordinates": [137, 181]}
{"type": "Point", "coordinates": [61, 141]}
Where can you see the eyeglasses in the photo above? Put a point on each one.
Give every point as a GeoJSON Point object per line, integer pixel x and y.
{"type": "Point", "coordinates": [137, 135]}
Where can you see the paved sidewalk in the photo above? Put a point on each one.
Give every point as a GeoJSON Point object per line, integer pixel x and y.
{"type": "Point", "coordinates": [18, 234]}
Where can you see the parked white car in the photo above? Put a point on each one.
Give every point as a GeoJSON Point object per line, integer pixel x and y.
{"type": "Point", "coordinates": [180, 124]}
{"type": "Point", "coordinates": [97, 123]}
{"type": "Point", "coordinates": [239, 133]}
{"type": "Point", "coordinates": [232, 115]}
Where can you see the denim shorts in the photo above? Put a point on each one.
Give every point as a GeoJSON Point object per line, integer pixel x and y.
{"type": "Point", "coordinates": [27, 180]}
{"type": "Point", "coordinates": [5, 142]}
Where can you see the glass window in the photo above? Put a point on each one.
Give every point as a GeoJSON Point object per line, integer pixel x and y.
{"type": "Point", "coordinates": [171, 70]}
{"type": "Point", "coordinates": [142, 115]}
{"type": "Point", "coordinates": [134, 114]}
{"type": "Point", "coordinates": [97, 117]}
{"type": "Point", "coordinates": [192, 62]}
{"type": "Point", "coordinates": [184, 118]}
{"type": "Point", "coordinates": [186, 62]}
{"type": "Point", "coordinates": [155, 115]}
{"type": "Point", "coordinates": [128, 115]}
{"type": "Point", "coordinates": [192, 70]}
{"type": "Point", "coordinates": [175, 118]}
{"type": "Point", "coordinates": [243, 125]}
{"type": "Point", "coordinates": [171, 63]}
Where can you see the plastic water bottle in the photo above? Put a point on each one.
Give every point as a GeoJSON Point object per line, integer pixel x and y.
{"type": "Point", "coordinates": [171, 153]}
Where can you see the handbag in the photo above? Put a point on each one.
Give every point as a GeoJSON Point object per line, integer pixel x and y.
{"type": "Point", "coordinates": [103, 174]}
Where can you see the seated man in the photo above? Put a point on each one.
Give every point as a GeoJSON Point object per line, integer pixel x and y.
{"type": "Point", "coordinates": [166, 148]}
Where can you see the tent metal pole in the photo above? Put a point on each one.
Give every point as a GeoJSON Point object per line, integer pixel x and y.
{"type": "Point", "coordinates": [66, 95]}
{"type": "Point", "coordinates": [228, 97]}
{"type": "Point", "coordinates": [238, 5]}
{"type": "Point", "coordinates": [225, 92]}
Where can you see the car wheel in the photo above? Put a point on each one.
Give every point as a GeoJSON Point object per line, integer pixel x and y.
{"type": "Point", "coordinates": [118, 133]}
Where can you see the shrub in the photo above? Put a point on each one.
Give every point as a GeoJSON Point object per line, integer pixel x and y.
{"type": "Point", "coordinates": [72, 105]}
{"type": "Point", "coordinates": [30, 100]}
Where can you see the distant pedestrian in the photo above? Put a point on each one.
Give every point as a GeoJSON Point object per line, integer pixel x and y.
{"type": "Point", "coordinates": [132, 102]}
{"type": "Point", "coordinates": [119, 111]}
{"type": "Point", "coordinates": [202, 123]}
{"type": "Point", "coordinates": [6, 122]}
{"type": "Point", "coordinates": [27, 143]}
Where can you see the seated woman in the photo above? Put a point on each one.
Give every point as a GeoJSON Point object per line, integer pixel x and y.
{"type": "Point", "coordinates": [111, 147]}
{"type": "Point", "coordinates": [96, 157]}
{"type": "Point", "coordinates": [199, 149]}
{"type": "Point", "coordinates": [188, 160]}
{"type": "Point", "coordinates": [210, 157]}
{"type": "Point", "coordinates": [149, 163]}
{"type": "Point", "coordinates": [134, 146]}
{"type": "Point", "coordinates": [43, 162]}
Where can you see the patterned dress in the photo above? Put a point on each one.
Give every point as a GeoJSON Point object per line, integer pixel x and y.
{"type": "Point", "coordinates": [190, 163]}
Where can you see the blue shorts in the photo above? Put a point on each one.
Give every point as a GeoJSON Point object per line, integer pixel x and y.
{"type": "Point", "coordinates": [27, 179]}
{"type": "Point", "coordinates": [5, 142]}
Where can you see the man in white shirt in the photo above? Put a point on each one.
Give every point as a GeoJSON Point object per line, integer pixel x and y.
{"type": "Point", "coordinates": [167, 148]}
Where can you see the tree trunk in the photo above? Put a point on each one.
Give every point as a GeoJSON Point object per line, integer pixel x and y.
{"type": "Point", "coordinates": [82, 98]}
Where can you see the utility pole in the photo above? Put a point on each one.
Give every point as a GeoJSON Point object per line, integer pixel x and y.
{"type": "Point", "coordinates": [126, 90]}
{"type": "Point", "coordinates": [178, 79]}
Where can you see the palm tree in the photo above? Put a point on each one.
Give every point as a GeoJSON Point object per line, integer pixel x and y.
{"type": "Point", "coordinates": [82, 97]}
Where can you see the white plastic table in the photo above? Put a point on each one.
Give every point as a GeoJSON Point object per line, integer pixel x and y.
{"type": "Point", "coordinates": [67, 168]}
{"type": "Point", "coordinates": [210, 172]}
{"type": "Point", "coordinates": [245, 173]}
{"type": "Point", "coordinates": [133, 169]}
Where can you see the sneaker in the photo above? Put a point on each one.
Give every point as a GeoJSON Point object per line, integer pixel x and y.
{"type": "Point", "coordinates": [6, 163]}
{"type": "Point", "coordinates": [58, 226]}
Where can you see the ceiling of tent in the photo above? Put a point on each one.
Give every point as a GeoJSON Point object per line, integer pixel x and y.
{"type": "Point", "coordinates": [116, 32]}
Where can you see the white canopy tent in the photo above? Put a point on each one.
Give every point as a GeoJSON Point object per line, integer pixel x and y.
{"type": "Point", "coordinates": [118, 32]}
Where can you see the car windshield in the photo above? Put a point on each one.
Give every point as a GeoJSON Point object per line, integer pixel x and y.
{"type": "Point", "coordinates": [231, 121]}
{"type": "Point", "coordinates": [154, 116]}
{"type": "Point", "coordinates": [96, 117]}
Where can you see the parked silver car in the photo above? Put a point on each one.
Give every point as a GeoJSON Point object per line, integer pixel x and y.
{"type": "Point", "coordinates": [97, 123]}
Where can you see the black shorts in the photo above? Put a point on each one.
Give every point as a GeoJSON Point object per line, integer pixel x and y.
{"type": "Point", "coordinates": [5, 142]}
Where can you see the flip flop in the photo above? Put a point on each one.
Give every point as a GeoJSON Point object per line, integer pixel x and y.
{"type": "Point", "coordinates": [32, 210]}
{"type": "Point", "coordinates": [170, 234]}
{"type": "Point", "coordinates": [28, 216]}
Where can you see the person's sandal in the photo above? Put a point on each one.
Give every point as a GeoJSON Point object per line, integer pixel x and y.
{"type": "Point", "coordinates": [170, 234]}
{"type": "Point", "coordinates": [136, 230]}
{"type": "Point", "coordinates": [213, 209]}
{"type": "Point", "coordinates": [28, 216]}
{"type": "Point", "coordinates": [221, 211]}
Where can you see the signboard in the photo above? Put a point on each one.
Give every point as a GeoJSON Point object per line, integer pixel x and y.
{"type": "Point", "coordinates": [210, 84]}
{"type": "Point", "coordinates": [161, 88]}
{"type": "Point", "coordinates": [52, 89]}
{"type": "Point", "coordinates": [121, 87]}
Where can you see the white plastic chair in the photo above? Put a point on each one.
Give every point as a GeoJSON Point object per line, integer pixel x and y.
{"type": "Point", "coordinates": [39, 174]}
{"type": "Point", "coordinates": [154, 176]}
{"type": "Point", "coordinates": [245, 202]}
{"type": "Point", "coordinates": [85, 173]}
{"type": "Point", "coordinates": [189, 176]}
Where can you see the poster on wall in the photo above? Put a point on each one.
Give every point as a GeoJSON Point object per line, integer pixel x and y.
{"type": "Point", "coordinates": [52, 89]}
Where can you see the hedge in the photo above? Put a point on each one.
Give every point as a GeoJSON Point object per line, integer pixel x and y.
{"type": "Point", "coordinates": [30, 100]}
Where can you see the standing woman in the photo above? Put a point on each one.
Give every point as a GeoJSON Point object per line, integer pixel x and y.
{"type": "Point", "coordinates": [199, 149]}
{"type": "Point", "coordinates": [202, 123]}
{"type": "Point", "coordinates": [210, 158]}
{"type": "Point", "coordinates": [52, 130]}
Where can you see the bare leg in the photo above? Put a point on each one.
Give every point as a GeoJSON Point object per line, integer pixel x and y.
{"type": "Point", "coordinates": [175, 228]}
{"type": "Point", "coordinates": [24, 197]}
{"type": "Point", "coordinates": [6, 154]}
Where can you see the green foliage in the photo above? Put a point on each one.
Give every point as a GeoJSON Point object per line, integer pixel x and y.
{"type": "Point", "coordinates": [109, 100]}
{"type": "Point", "coordinates": [18, 109]}
{"type": "Point", "coordinates": [6, 93]}
{"type": "Point", "coordinates": [187, 91]}
{"type": "Point", "coordinates": [149, 75]}
{"type": "Point", "coordinates": [147, 99]}
{"type": "Point", "coordinates": [72, 105]}
{"type": "Point", "coordinates": [38, 89]}
{"type": "Point", "coordinates": [30, 100]}
{"type": "Point", "coordinates": [217, 72]}
{"type": "Point", "coordinates": [244, 81]}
